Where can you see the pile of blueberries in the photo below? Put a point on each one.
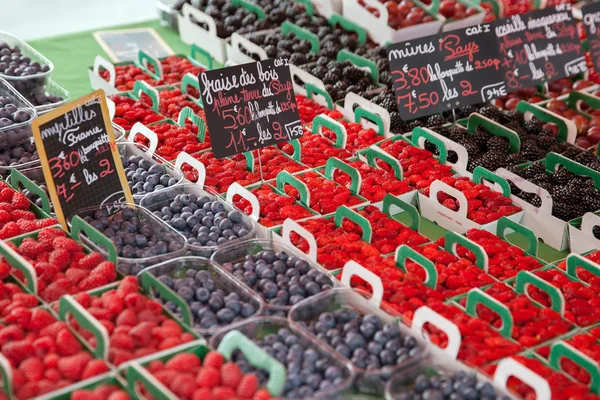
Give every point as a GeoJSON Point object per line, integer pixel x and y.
{"type": "Point", "coordinates": [460, 385]}
{"type": "Point", "coordinates": [204, 222]}
{"type": "Point", "coordinates": [309, 372]}
{"type": "Point", "coordinates": [41, 98]}
{"type": "Point", "coordinates": [145, 176]}
{"type": "Point", "coordinates": [17, 155]}
{"type": "Point", "coordinates": [14, 63]}
{"type": "Point", "coordinates": [280, 279]}
{"type": "Point", "coordinates": [364, 339]}
{"type": "Point", "coordinates": [209, 305]}
{"type": "Point", "coordinates": [11, 115]}
{"type": "Point", "coordinates": [134, 237]}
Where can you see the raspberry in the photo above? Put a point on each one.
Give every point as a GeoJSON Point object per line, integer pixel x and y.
{"type": "Point", "coordinates": [231, 375]}
{"type": "Point", "coordinates": [247, 386]}
{"type": "Point", "coordinates": [66, 343]}
{"type": "Point", "coordinates": [128, 285]}
{"type": "Point", "coordinates": [208, 377]}
{"type": "Point", "coordinates": [30, 248]}
{"type": "Point", "coordinates": [66, 243]}
{"type": "Point", "coordinates": [183, 362]}
{"type": "Point", "coordinates": [20, 201]}
{"type": "Point", "coordinates": [72, 367]}
{"type": "Point", "coordinates": [60, 257]}
{"type": "Point", "coordinates": [93, 368]}
{"type": "Point", "coordinates": [32, 368]}
{"type": "Point", "coordinates": [93, 281]}
{"type": "Point", "coordinates": [213, 359]}
{"type": "Point", "coordinates": [90, 261]}
{"type": "Point", "coordinates": [107, 270]}
{"type": "Point", "coordinates": [9, 230]}
{"type": "Point", "coordinates": [22, 214]}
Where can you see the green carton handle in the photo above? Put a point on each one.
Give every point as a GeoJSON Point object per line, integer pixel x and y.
{"type": "Point", "coordinates": [576, 97]}
{"type": "Point", "coordinates": [355, 178]}
{"type": "Point", "coordinates": [188, 113]}
{"type": "Point", "coordinates": [297, 146]}
{"type": "Point", "coordinates": [480, 173]}
{"type": "Point", "coordinates": [360, 113]}
{"type": "Point", "coordinates": [404, 253]}
{"type": "Point", "coordinates": [149, 283]}
{"type": "Point", "coordinates": [375, 153]}
{"type": "Point", "coordinates": [526, 278]}
{"type": "Point", "coordinates": [312, 89]}
{"type": "Point", "coordinates": [255, 8]}
{"type": "Point", "coordinates": [561, 349]}
{"type": "Point", "coordinates": [191, 80]}
{"type": "Point", "coordinates": [476, 120]}
{"type": "Point", "coordinates": [6, 375]}
{"type": "Point", "coordinates": [310, 8]}
{"type": "Point", "coordinates": [19, 263]}
{"type": "Point", "coordinates": [257, 357]}
{"type": "Point", "coordinates": [477, 296]}
{"type": "Point", "coordinates": [68, 305]}
{"type": "Point", "coordinates": [505, 223]}
{"type": "Point", "coordinates": [390, 201]}
{"type": "Point", "coordinates": [337, 19]}
{"type": "Point", "coordinates": [285, 178]}
{"type": "Point", "coordinates": [249, 156]}
{"type": "Point", "coordinates": [141, 86]}
{"type": "Point", "coordinates": [419, 133]}
{"type": "Point", "coordinates": [16, 178]}
{"type": "Point", "coordinates": [360, 62]}
{"type": "Point", "coordinates": [553, 160]}
{"type": "Point", "coordinates": [343, 212]}
{"type": "Point", "coordinates": [453, 239]}
{"type": "Point", "coordinates": [137, 373]}
{"type": "Point", "coordinates": [144, 59]}
{"type": "Point", "coordinates": [78, 225]}
{"type": "Point", "coordinates": [546, 116]}
{"type": "Point", "coordinates": [323, 121]}
{"type": "Point", "coordinates": [575, 261]}
{"type": "Point", "coordinates": [197, 50]}
{"type": "Point", "coordinates": [287, 27]}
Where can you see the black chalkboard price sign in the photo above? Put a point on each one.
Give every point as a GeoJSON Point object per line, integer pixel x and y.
{"type": "Point", "coordinates": [79, 155]}
{"type": "Point", "coordinates": [250, 106]}
{"type": "Point", "coordinates": [446, 71]}
{"type": "Point", "coordinates": [539, 46]}
{"type": "Point", "coordinates": [591, 23]}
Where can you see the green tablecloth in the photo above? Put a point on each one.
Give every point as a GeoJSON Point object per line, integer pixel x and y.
{"type": "Point", "coordinates": [73, 54]}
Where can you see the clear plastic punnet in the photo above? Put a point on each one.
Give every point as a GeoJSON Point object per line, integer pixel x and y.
{"type": "Point", "coordinates": [155, 202]}
{"type": "Point", "coordinates": [17, 132]}
{"type": "Point", "coordinates": [266, 328]}
{"type": "Point", "coordinates": [166, 280]}
{"type": "Point", "coordinates": [237, 254]}
{"type": "Point", "coordinates": [370, 381]}
{"type": "Point", "coordinates": [129, 262]}
{"type": "Point", "coordinates": [49, 97]}
{"type": "Point", "coordinates": [28, 83]}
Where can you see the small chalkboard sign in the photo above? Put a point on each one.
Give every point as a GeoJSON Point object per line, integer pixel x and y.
{"type": "Point", "coordinates": [79, 155]}
{"type": "Point", "coordinates": [446, 71]}
{"type": "Point", "coordinates": [250, 106]}
{"type": "Point", "coordinates": [125, 44]}
{"type": "Point", "coordinates": [539, 46]}
{"type": "Point", "coordinates": [591, 23]}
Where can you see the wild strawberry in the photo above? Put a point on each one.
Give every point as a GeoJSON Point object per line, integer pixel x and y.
{"type": "Point", "coordinates": [208, 377]}
{"type": "Point", "coordinates": [66, 343]}
{"type": "Point", "coordinates": [72, 367]}
{"type": "Point", "coordinates": [183, 362]}
{"type": "Point", "coordinates": [247, 386]}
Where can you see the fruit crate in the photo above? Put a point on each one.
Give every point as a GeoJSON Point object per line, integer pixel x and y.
{"type": "Point", "coordinates": [315, 102]}
{"type": "Point", "coordinates": [149, 66]}
{"type": "Point", "coordinates": [32, 188]}
{"type": "Point", "coordinates": [269, 331]}
{"type": "Point", "coordinates": [161, 281]}
{"type": "Point", "coordinates": [72, 362]}
{"type": "Point", "coordinates": [187, 94]}
{"type": "Point", "coordinates": [572, 298]}
{"type": "Point", "coordinates": [28, 83]}
{"type": "Point", "coordinates": [156, 202]}
{"type": "Point", "coordinates": [109, 384]}
{"type": "Point", "coordinates": [19, 130]}
{"type": "Point", "coordinates": [231, 258]}
{"type": "Point", "coordinates": [111, 346]}
{"type": "Point", "coordinates": [331, 304]}
{"type": "Point", "coordinates": [129, 262]}
{"type": "Point", "coordinates": [200, 29]}
{"type": "Point", "coordinates": [582, 238]}
{"type": "Point", "coordinates": [142, 112]}
{"type": "Point", "coordinates": [31, 279]}
{"type": "Point", "coordinates": [139, 374]}
{"type": "Point", "coordinates": [371, 115]}
{"type": "Point", "coordinates": [267, 206]}
{"type": "Point", "coordinates": [269, 161]}
{"type": "Point", "coordinates": [583, 266]}
{"type": "Point", "coordinates": [551, 229]}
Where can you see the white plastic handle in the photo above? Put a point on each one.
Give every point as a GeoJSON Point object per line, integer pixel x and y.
{"type": "Point", "coordinates": [305, 77]}
{"type": "Point", "coordinates": [510, 367]}
{"type": "Point", "coordinates": [237, 189]}
{"type": "Point", "coordinates": [189, 11]}
{"type": "Point", "coordinates": [545, 208]}
{"type": "Point", "coordinates": [185, 158]}
{"type": "Point", "coordinates": [145, 84]}
{"type": "Point", "coordinates": [439, 186]}
{"type": "Point", "coordinates": [353, 99]}
{"type": "Point", "coordinates": [383, 11]}
{"type": "Point", "coordinates": [25, 265]}
{"type": "Point", "coordinates": [352, 268]}
{"type": "Point", "coordinates": [589, 221]}
{"type": "Point", "coordinates": [101, 328]}
{"type": "Point", "coordinates": [239, 42]}
{"type": "Point", "coordinates": [100, 61]}
{"type": "Point", "coordinates": [571, 127]}
{"type": "Point", "coordinates": [426, 315]}
{"type": "Point", "coordinates": [111, 108]}
{"type": "Point", "coordinates": [334, 122]}
{"type": "Point", "coordinates": [144, 63]}
{"type": "Point", "coordinates": [289, 226]}
{"type": "Point", "coordinates": [140, 129]}
{"type": "Point", "coordinates": [231, 63]}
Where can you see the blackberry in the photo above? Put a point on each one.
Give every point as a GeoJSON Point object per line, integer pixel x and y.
{"type": "Point", "coordinates": [491, 112]}
{"type": "Point", "coordinates": [585, 158]}
{"type": "Point", "coordinates": [298, 59]}
{"type": "Point", "coordinates": [323, 61]}
{"type": "Point", "coordinates": [493, 160]}
{"type": "Point", "coordinates": [435, 120]}
{"type": "Point", "coordinates": [534, 169]}
{"type": "Point", "coordinates": [546, 132]}
{"type": "Point", "coordinates": [396, 123]}
{"type": "Point", "coordinates": [563, 194]}
{"type": "Point", "coordinates": [544, 142]}
{"type": "Point", "coordinates": [592, 203]}
{"type": "Point", "coordinates": [513, 116]}
{"type": "Point", "coordinates": [533, 126]}
{"type": "Point", "coordinates": [386, 78]}
{"type": "Point", "coordinates": [515, 159]}
{"type": "Point", "coordinates": [518, 128]}
{"type": "Point", "coordinates": [562, 176]}
{"type": "Point", "coordinates": [480, 138]}
{"type": "Point", "coordinates": [498, 143]}
{"type": "Point", "coordinates": [432, 148]}
{"type": "Point", "coordinates": [465, 111]}
{"type": "Point", "coordinates": [595, 165]}
{"type": "Point", "coordinates": [341, 85]}
{"type": "Point", "coordinates": [474, 163]}
{"type": "Point", "coordinates": [414, 124]}
{"type": "Point", "coordinates": [389, 103]}
{"type": "Point", "coordinates": [532, 152]}
{"type": "Point", "coordinates": [320, 71]}
{"type": "Point", "coordinates": [332, 77]}
{"type": "Point", "coordinates": [348, 42]}
{"type": "Point", "coordinates": [456, 134]}
{"type": "Point", "coordinates": [472, 148]}
{"type": "Point", "coordinates": [353, 74]}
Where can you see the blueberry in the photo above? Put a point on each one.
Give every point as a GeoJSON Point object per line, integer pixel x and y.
{"type": "Point", "coordinates": [374, 348]}
{"type": "Point", "coordinates": [367, 330]}
{"type": "Point", "coordinates": [225, 315]}
{"type": "Point", "coordinates": [421, 383]}
{"type": "Point", "coordinates": [202, 294]}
